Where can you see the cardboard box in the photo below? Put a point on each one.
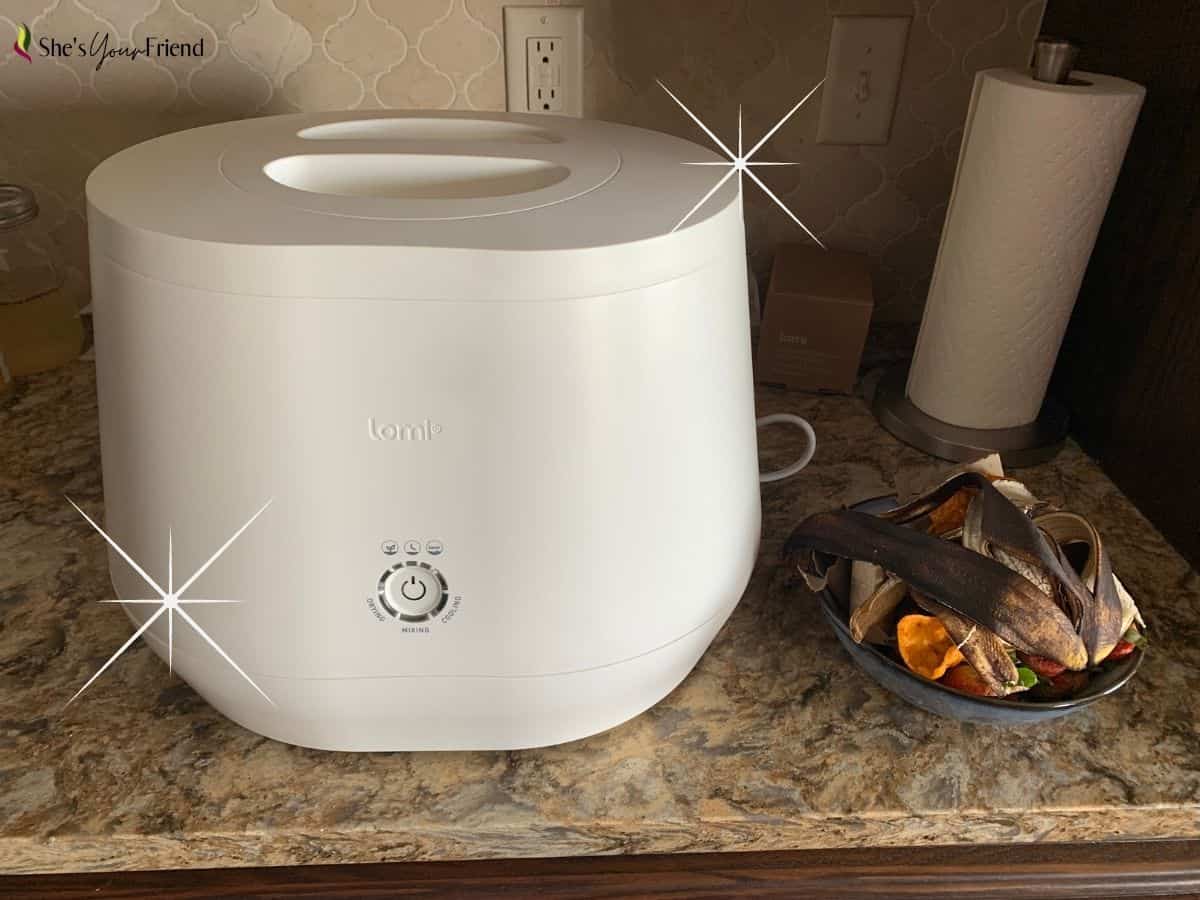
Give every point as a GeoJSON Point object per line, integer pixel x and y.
{"type": "Point", "coordinates": [815, 319]}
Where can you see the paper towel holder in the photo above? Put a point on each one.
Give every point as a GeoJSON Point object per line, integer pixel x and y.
{"type": "Point", "coordinates": [1023, 445]}
{"type": "Point", "coordinates": [1053, 59]}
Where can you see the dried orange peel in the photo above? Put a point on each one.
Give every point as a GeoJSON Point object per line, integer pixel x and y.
{"type": "Point", "coordinates": [926, 647]}
{"type": "Point", "coordinates": [952, 513]}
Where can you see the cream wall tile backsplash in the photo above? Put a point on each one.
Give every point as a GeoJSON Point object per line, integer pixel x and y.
{"type": "Point", "coordinates": [60, 117]}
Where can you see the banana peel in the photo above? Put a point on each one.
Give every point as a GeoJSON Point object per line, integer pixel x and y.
{"type": "Point", "coordinates": [866, 618]}
{"type": "Point", "coordinates": [972, 585]}
{"type": "Point", "coordinates": [1107, 617]}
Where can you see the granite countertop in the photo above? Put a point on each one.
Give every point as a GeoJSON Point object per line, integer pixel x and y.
{"type": "Point", "coordinates": [775, 741]}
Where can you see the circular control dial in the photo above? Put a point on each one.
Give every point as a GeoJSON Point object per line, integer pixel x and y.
{"type": "Point", "coordinates": [413, 591]}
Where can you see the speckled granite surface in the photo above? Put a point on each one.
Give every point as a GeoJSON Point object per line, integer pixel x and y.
{"type": "Point", "coordinates": [774, 742]}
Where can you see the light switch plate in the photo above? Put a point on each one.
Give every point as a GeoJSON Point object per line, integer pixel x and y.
{"type": "Point", "coordinates": [531, 65]}
{"type": "Point", "coordinates": [862, 77]}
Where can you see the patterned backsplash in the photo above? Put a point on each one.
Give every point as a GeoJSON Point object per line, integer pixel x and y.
{"type": "Point", "coordinates": [60, 116]}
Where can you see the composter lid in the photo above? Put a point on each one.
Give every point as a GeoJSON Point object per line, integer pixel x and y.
{"type": "Point", "coordinates": [408, 205]}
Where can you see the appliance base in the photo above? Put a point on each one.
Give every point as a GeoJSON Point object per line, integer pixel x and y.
{"type": "Point", "coordinates": [444, 712]}
{"type": "Point", "coordinates": [1026, 445]}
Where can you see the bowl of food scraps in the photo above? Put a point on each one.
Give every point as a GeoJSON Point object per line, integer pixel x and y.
{"type": "Point", "coordinates": [974, 600]}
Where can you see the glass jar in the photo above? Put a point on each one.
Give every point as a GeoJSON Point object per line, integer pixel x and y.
{"type": "Point", "coordinates": [40, 327]}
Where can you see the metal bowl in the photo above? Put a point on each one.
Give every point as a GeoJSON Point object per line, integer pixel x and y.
{"type": "Point", "coordinates": [941, 700]}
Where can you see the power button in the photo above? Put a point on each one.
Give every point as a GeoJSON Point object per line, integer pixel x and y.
{"type": "Point", "coordinates": [412, 591]}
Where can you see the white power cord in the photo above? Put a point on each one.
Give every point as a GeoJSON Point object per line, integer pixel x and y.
{"type": "Point", "coordinates": [805, 458]}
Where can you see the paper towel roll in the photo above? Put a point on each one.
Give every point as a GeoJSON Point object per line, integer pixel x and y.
{"type": "Point", "coordinates": [1035, 172]}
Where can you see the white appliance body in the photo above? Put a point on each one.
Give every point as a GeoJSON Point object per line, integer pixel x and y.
{"type": "Point", "coordinates": [509, 452]}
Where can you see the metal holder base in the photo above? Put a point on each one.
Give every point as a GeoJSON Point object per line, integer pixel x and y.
{"type": "Point", "coordinates": [1026, 445]}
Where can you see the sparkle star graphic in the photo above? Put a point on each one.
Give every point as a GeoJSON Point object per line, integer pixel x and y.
{"type": "Point", "coordinates": [170, 601]}
{"type": "Point", "coordinates": [740, 163]}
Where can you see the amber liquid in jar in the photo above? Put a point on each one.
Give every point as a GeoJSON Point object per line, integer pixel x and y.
{"type": "Point", "coordinates": [40, 327]}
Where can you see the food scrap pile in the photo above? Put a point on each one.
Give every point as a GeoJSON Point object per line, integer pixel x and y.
{"type": "Point", "coordinates": [978, 585]}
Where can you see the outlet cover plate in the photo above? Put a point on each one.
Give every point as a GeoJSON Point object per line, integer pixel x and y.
{"type": "Point", "coordinates": [862, 78]}
{"type": "Point", "coordinates": [564, 23]}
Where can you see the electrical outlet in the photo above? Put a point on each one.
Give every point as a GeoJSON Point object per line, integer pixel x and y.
{"type": "Point", "coordinates": [543, 59]}
{"type": "Point", "coordinates": [862, 77]}
{"type": "Point", "coordinates": [543, 66]}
